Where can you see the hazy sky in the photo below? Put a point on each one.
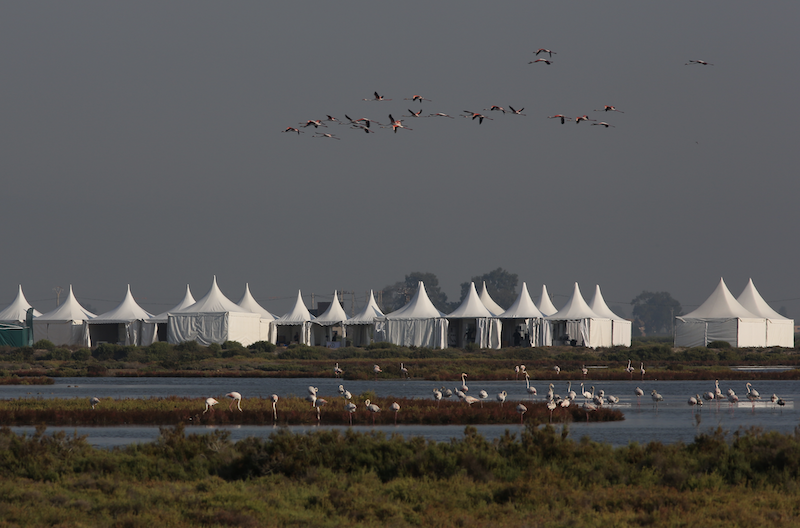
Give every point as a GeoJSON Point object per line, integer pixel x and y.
{"type": "Point", "coordinates": [142, 145]}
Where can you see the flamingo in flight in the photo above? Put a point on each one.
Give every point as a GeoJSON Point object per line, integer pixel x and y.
{"type": "Point", "coordinates": [314, 122]}
{"type": "Point", "coordinates": [331, 118]}
{"type": "Point", "coordinates": [516, 112]}
{"type": "Point", "coordinates": [413, 113]}
{"type": "Point", "coordinates": [397, 123]}
{"type": "Point", "coordinates": [477, 115]}
{"type": "Point", "coordinates": [359, 121]}
{"type": "Point", "coordinates": [603, 123]}
{"type": "Point", "coordinates": [416, 98]}
{"type": "Point", "coordinates": [235, 397]}
{"type": "Point", "coordinates": [366, 129]}
{"type": "Point", "coordinates": [546, 61]}
{"type": "Point", "coordinates": [496, 108]}
{"type": "Point", "coordinates": [325, 135]}
{"type": "Point", "coordinates": [378, 98]}
{"type": "Point", "coordinates": [562, 117]}
{"type": "Point", "coordinates": [440, 114]}
{"type": "Point", "coordinates": [704, 63]}
{"type": "Point", "coordinates": [543, 50]}
{"type": "Point", "coordinates": [609, 108]}
{"type": "Point", "coordinates": [293, 129]}
{"type": "Point", "coordinates": [583, 118]}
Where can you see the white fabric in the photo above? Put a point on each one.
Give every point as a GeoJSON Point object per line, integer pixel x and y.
{"type": "Point", "coordinates": [545, 305]}
{"type": "Point", "coordinates": [577, 321]}
{"type": "Point", "coordinates": [150, 327]}
{"type": "Point", "coordinates": [470, 323]}
{"type": "Point", "coordinates": [780, 330]}
{"type": "Point", "coordinates": [524, 318]}
{"type": "Point", "coordinates": [418, 323]}
{"type": "Point", "coordinates": [65, 325]}
{"type": "Point", "coordinates": [720, 318]}
{"type": "Point", "coordinates": [251, 305]}
{"type": "Point", "coordinates": [334, 315]}
{"type": "Point", "coordinates": [488, 302]}
{"type": "Point", "coordinates": [122, 325]}
{"type": "Point", "coordinates": [360, 328]}
{"type": "Point", "coordinates": [621, 329]}
{"type": "Point", "coordinates": [295, 322]}
{"type": "Point", "coordinates": [214, 319]}
{"type": "Point", "coordinates": [128, 310]}
{"type": "Point", "coordinates": [17, 311]}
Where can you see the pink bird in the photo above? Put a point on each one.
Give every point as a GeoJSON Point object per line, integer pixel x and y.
{"type": "Point", "coordinates": [496, 108]}
{"type": "Point", "coordinates": [378, 98]}
{"type": "Point", "coordinates": [516, 112]}
{"type": "Point", "coordinates": [292, 129]}
{"type": "Point", "coordinates": [603, 123]}
{"type": "Point", "coordinates": [396, 123]}
{"type": "Point", "coordinates": [562, 117]}
{"type": "Point", "coordinates": [314, 122]}
{"type": "Point", "coordinates": [413, 113]}
{"type": "Point", "coordinates": [416, 98]}
{"type": "Point", "coordinates": [477, 115]}
{"type": "Point", "coordinates": [546, 61]}
{"type": "Point", "coordinates": [583, 118]}
{"type": "Point", "coordinates": [320, 134]}
{"type": "Point", "coordinates": [543, 50]}
{"type": "Point", "coordinates": [609, 108]}
{"type": "Point", "coordinates": [235, 397]}
{"type": "Point", "coordinates": [440, 114]}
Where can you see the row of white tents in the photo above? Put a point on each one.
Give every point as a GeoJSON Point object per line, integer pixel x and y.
{"type": "Point", "coordinates": [479, 320]}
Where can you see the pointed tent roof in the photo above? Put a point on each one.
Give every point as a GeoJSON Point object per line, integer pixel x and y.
{"type": "Point", "coordinates": [187, 301]}
{"type": "Point", "coordinates": [299, 314]}
{"type": "Point", "coordinates": [720, 305]}
{"type": "Point", "coordinates": [368, 314]}
{"type": "Point", "coordinates": [17, 311]}
{"type": "Point", "coordinates": [334, 314]}
{"type": "Point", "coordinates": [214, 302]}
{"type": "Point", "coordinates": [599, 306]}
{"type": "Point", "coordinates": [127, 311]}
{"type": "Point", "coordinates": [488, 302]}
{"type": "Point", "coordinates": [419, 307]}
{"type": "Point", "coordinates": [523, 307]}
{"type": "Point", "coordinates": [576, 308]}
{"type": "Point", "coordinates": [471, 306]}
{"type": "Point", "coordinates": [753, 302]}
{"type": "Point", "coordinates": [545, 305]}
{"type": "Point", "coordinates": [70, 310]}
{"type": "Point", "coordinates": [251, 305]}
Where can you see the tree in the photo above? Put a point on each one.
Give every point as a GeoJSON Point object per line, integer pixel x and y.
{"type": "Point", "coordinates": [398, 294]}
{"type": "Point", "coordinates": [654, 313]}
{"type": "Point", "coordinates": [501, 285]}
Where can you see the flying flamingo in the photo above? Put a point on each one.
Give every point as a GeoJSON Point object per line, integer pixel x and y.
{"type": "Point", "coordinates": [496, 108]}
{"type": "Point", "coordinates": [464, 387]}
{"type": "Point", "coordinates": [337, 371]}
{"type": "Point", "coordinates": [235, 397]}
{"type": "Point", "coordinates": [210, 403]}
{"type": "Point", "coordinates": [546, 61]}
{"type": "Point", "coordinates": [293, 129]}
{"type": "Point", "coordinates": [501, 397]}
{"type": "Point", "coordinates": [521, 409]}
{"type": "Point", "coordinates": [374, 409]}
{"type": "Point", "coordinates": [350, 408]}
{"type": "Point", "coordinates": [274, 407]}
{"type": "Point", "coordinates": [416, 98]}
{"type": "Point", "coordinates": [562, 117]}
{"type": "Point", "coordinates": [603, 123]}
{"type": "Point", "coordinates": [477, 115]}
{"type": "Point", "coordinates": [437, 395]}
{"type": "Point", "coordinates": [396, 123]}
{"type": "Point", "coordinates": [543, 50]}
{"type": "Point", "coordinates": [331, 118]}
{"type": "Point", "coordinates": [377, 370]}
{"type": "Point", "coordinates": [378, 98]}
{"type": "Point", "coordinates": [413, 113]}
{"type": "Point", "coordinates": [483, 395]}
{"type": "Point", "coordinates": [516, 112]}
{"type": "Point", "coordinates": [583, 118]}
{"type": "Point", "coordinates": [440, 114]}
{"type": "Point", "coordinates": [94, 402]}
{"type": "Point", "coordinates": [704, 63]}
{"type": "Point", "coordinates": [639, 393]}
{"type": "Point", "coordinates": [609, 108]}
{"type": "Point", "coordinates": [404, 371]}
{"type": "Point", "coordinates": [314, 122]}
{"type": "Point", "coordinates": [325, 135]}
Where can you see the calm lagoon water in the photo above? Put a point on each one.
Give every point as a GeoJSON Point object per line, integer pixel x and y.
{"type": "Point", "coordinates": [672, 421]}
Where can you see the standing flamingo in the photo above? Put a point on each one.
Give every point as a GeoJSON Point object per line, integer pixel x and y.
{"type": "Point", "coordinates": [377, 370]}
{"type": "Point", "coordinates": [94, 402]}
{"type": "Point", "coordinates": [483, 395]}
{"type": "Point", "coordinates": [274, 407]}
{"type": "Point", "coordinates": [521, 409]}
{"type": "Point", "coordinates": [571, 394]}
{"type": "Point", "coordinates": [629, 369]}
{"type": "Point", "coordinates": [337, 371]}
{"type": "Point", "coordinates": [396, 408]}
{"type": "Point", "coordinates": [656, 397]}
{"type": "Point", "coordinates": [464, 387]}
{"type": "Point", "coordinates": [551, 406]}
{"type": "Point", "coordinates": [639, 393]}
{"type": "Point", "coordinates": [437, 395]}
{"type": "Point", "coordinates": [693, 401]}
{"type": "Point", "coordinates": [210, 403]}
{"type": "Point", "coordinates": [374, 409]}
{"type": "Point", "coordinates": [235, 397]}
{"type": "Point", "coordinates": [501, 397]}
{"type": "Point", "coordinates": [557, 369]}
{"type": "Point", "coordinates": [589, 407]}
{"type": "Point", "coordinates": [404, 371]}
{"type": "Point", "coordinates": [531, 390]}
{"type": "Point", "coordinates": [584, 371]}
{"type": "Point", "coordinates": [752, 395]}
{"type": "Point", "coordinates": [641, 369]}
{"type": "Point", "coordinates": [318, 403]}
{"type": "Point", "coordinates": [350, 408]}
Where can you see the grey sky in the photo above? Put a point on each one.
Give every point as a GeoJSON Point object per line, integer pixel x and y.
{"type": "Point", "coordinates": [142, 145]}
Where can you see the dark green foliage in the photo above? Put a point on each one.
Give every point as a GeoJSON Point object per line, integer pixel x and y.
{"type": "Point", "coordinates": [82, 354]}
{"type": "Point", "coordinates": [44, 344]}
{"type": "Point", "coordinates": [719, 344]}
{"type": "Point", "coordinates": [262, 347]}
{"type": "Point", "coordinates": [501, 285]}
{"type": "Point", "coordinates": [398, 294]}
{"type": "Point", "coordinates": [654, 313]}
{"type": "Point", "coordinates": [59, 354]}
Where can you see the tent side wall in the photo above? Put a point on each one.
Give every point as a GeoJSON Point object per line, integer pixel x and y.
{"type": "Point", "coordinates": [621, 332]}
{"type": "Point", "coordinates": [430, 333]}
{"type": "Point", "coordinates": [244, 327]}
{"type": "Point", "coordinates": [62, 332]}
{"type": "Point", "coordinates": [690, 333]}
{"type": "Point", "coordinates": [751, 333]}
{"type": "Point", "coordinates": [780, 332]}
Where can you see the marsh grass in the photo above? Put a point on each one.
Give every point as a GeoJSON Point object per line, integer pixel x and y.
{"type": "Point", "coordinates": [291, 411]}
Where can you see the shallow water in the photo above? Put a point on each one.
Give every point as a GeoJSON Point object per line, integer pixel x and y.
{"type": "Point", "coordinates": [672, 421]}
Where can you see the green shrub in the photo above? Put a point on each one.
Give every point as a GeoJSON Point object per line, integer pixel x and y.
{"type": "Point", "coordinates": [719, 344]}
{"type": "Point", "coordinates": [262, 347]}
{"type": "Point", "coordinates": [44, 344]}
{"type": "Point", "coordinates": [82, 354]}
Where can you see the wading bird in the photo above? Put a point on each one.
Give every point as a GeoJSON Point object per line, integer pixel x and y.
{"type": "Point", "coordinates": [629, 369]}
{"type": "Point", "coordinates": [639, 393]}
{"type": "Point", "coordinates": [641, 369]}
{"type": "Point", "coordinates": [612, 399]}
{"type": "Point", "coordinates": [501, 397]}
{"type": "Point", "coordinates": [589, 407]}
{"type": "Point", "coordinates": [337, 371]}
{"type": "Point", "coordinates": [374, 409]}
{"type": "Point", "coordinates": [318, 403]}
{"type": "Point", "coordinates": [483, 395]}
{"type": "Point", "coordinates": [437, 395]}
{"type": "Point", "coordinates": [551, 406]}
{"type": "Point", "coordinates": [377, 370]}
{"type": "Point", "coordinates": [350, 408]}
{"type": "Point", "coordinates": [521, 409]}
{"type": "Point", "coordinates": [531, 390]}
{"type": "Point", "coordinates": [584, 371]}
{"type": "Point", "coordinates": [274, 407]}
{"type": "Point", "coordinates": [557, 369]}
{"type": "Point", "coordinates": [464, 387]}
{"type": "Point", "coordinates": [656, 397]}
{"type": "Point", "coordinates": [210, 403]}
{"type": "Point", "coordinates": [235, 397]}
{"type": "Point", "coordinates": [94, 401]}
{"type": "Point", "coordinates": [404, 371]}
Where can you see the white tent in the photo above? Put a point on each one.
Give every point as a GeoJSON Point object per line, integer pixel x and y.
{"type": "Point", "coordinates": [360, 328]}
{"type": "Point", "coordinates": [545, 305]}
{"type": "Point", "coordinates": [155, 328]}
{"type": "Point", "coordinates": [418, 323]}
{"type": "Point", "coordinates": [488, 302]}
{"type": "Point", "coordinates": [522, 322]}
{"type": "Point", "coordinates": [294, 326]}
{"type": "Point", "coordinates": [213, 319]}
{"type": "Point", "coordinates": [251, 305]}
{"type": "Point", "coordinates": [472, 322]}
{"type": "Point", "coordinates": [780, 330]}
{"type": "Point", "coordinates": [17, 311]}
{"type": "Point", "coordinates": [122, 325]}
{"type": "Point", "coordinates": [577, 324]}
{"type": "Point", "coordinates": [66, 325]}
{"type": "Point", "coordinates": [327, 328]}
{"type": "Point", "coordinates": [620, 328]}
{"type": "Point", "coordinates": [720, 318]}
